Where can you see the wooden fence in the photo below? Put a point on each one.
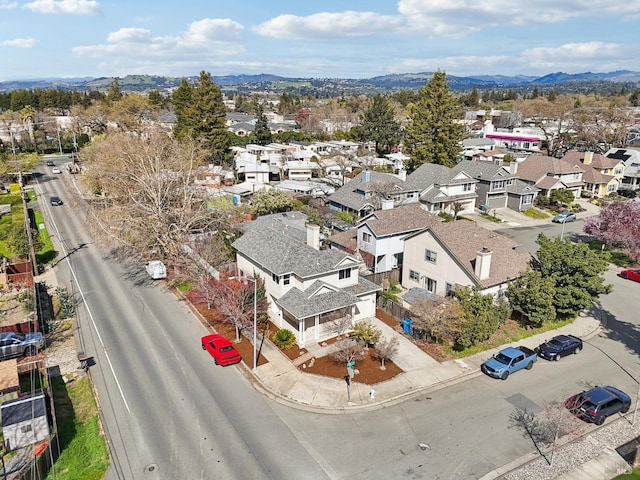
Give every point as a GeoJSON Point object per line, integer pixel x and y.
{"type": "Point", "coordinates": [392, 308]}
{"type": "Point", "coordinates": [379, 278]}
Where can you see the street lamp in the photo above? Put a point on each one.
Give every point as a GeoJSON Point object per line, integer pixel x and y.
{"type": "Point", "coordinates": [255, 318]}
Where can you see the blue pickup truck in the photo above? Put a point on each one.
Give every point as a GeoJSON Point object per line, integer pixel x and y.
{"type": "Point", "coordinates": [508, 361]}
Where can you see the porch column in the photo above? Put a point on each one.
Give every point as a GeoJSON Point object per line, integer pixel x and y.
{"type": "Point", "coordinates": [317, 327]}
{"type": "Point", "coordinates": [301, 332]}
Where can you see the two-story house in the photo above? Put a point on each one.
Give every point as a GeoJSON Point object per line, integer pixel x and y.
{"type": "Point", "coordinates": [378, 238]}
{"type": "Point", "coordinates": [445, 255]}
{"type": "Point", "coordinates": [498, 185]}
{"type": "Point", "coordinates": [602, 175]}
{"type": "Point", "coordinates": [365, 192]}
{"type": "Point", "coordinates": [443, 189]}
{"type": "Point", "coordinates": [549, 173]}
{"type": "Point", "coordinates": [631, 159]}
{"type": "Point", "coordinates": [306, 288]}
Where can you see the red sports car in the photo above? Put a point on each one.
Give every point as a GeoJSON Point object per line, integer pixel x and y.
{"type": "Point", "coordinates": [221, 349]}
{"type": "Point", "coordinates": [631, 275]}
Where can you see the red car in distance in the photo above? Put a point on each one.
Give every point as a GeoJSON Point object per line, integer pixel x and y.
{"type": "Point", "coordinates": [221, 349]}
{"type": "Point", "coordinates": [631, 274]}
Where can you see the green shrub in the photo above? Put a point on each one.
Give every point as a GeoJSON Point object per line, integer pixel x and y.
{"type": "Point", "coordinates": [367, 333]}
{"type": "Point", "coordinates": [284, 338]}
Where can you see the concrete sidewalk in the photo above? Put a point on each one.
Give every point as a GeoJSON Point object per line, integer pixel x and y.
{"type": "Point", "coordinates": [282, 381]}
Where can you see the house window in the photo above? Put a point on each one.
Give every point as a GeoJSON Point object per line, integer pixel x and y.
{"type": "Point", "coordinates": [415, 276]}
{"type": "Point", "coordinates": [345, 273]}
{"type": "Point", "coordinates": [366, 237]}
{"type": "Point", "coordinates": [430, 285]}
{"type": "Point", "coordinates": [611, 188]}
{"type": "Point", "coordinates": [430, 256]}
{"type": "Point", "coordinates": [499, 185]}
{"type": "Point", "coordinates": [26, 428]}
{"type": "Point", "coordinates": [467, 187]}
{"type": "Point", "coordinates": [275, 278]}
{"type": "Point", "coordinates": [286, 279]}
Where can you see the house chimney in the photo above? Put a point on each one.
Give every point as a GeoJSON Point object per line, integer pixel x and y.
{"type": "Point", "coordinates": [588, 158]}
{"type": "Point", "coordinates": [366, 176]}
{"type": "Point", "coordinates": [313, 236]}
{"type": "Point", "coordinates": [402, 174]}
{"type": "Point", "coordinates": [386, 204]}
{"type": "Point", "coordinates": [513, 167]}
{"type": "Point", "coordinates": [483, 263]}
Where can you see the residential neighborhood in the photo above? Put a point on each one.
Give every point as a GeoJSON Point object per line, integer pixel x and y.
{"type": "Point", "coordinates": [329, 250]}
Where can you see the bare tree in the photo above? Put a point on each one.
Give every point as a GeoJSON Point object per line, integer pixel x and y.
{"type": "Point", "coordinates": [347, 350]}
{"type": "Point", "coordinates": [149, 202]}
{"type": "Point", "coordinates": [442, 318]}
{"type": "Point", "coordinates": [457, 207]}
{"type": "Point", "coordinates": [235, 300]}
{"type": "Point", "coordinates": [340, 323]}
{"type": "Point", "coordinates": [386, 348]}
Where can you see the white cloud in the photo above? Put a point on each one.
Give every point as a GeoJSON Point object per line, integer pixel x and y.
{"type": "Point", "coordinates": [209, 30]}
{"type": "Point", "coordinates": [572, 57]}
{"type": "Point", "coordinates": [443, 17]}
{"type": "Point", "coordinates": [6, 5]}
{"type": "Point", "coordinates": [137, 49]}
{"type": "Point", "coordinates": [71, 7]}
{"type": "Point", "coordinates": [328, 26]}
{"type": "Point", "coordinates": [20, 42]}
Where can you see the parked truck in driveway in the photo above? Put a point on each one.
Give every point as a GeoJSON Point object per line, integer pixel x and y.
{"type": "Point", "coordinates": [508, 361]}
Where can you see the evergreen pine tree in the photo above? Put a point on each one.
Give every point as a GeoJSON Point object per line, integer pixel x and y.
{"type": "Point", "coordinates": [262, 131]}
{"type": "Point", "coordinates": [433, 132]}
{"type": "Point", "coordinates": [379, 125]}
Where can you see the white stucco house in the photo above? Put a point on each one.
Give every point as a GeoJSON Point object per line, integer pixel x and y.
{"type": "Point", "coordinates": [445, 255]}
{"type": "Point", "coordinates": [306, 287]}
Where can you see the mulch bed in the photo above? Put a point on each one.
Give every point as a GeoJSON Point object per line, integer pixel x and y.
{"type": "Point", "coordinates": [368, 366]}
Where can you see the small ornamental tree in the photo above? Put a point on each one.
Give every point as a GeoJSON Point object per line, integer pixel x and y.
{"type": "Point", "coordinates": [367, 333]}
{"type": "Point", "coordinates": [347, 350]}
{"type": "Point", "coordinates": [618, 225]}
{"type": "Point", "coordinates": [386, 348]}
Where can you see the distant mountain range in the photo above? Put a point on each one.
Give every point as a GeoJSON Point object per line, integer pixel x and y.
{"type": "Point", "coordinates": [331, 86]}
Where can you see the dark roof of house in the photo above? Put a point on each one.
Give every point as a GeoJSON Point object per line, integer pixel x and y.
{"type": "Point", "coordinates": [518, 187]}
{"type": "Point", "coordinates": [23, 409]}
{"type": "Point", "coordinates": [399, 220]}
{"type": "Point", "coordinates": [429, 174]}
{"type": "Point", "coordinates": [352, 193]}
{"type": "Point", "coordinates": [281, 248]}
{"type": "Point", "coordinates": [463, 240]}
{"type": "Point", "coordinates": [321, 298]}
{"type": "Point", "coordinates": [483, 171]}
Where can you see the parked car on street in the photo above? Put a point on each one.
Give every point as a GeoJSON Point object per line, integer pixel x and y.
{"type": "Point", "coordinates": [564, 217]}
{"type": "Point", "coordinates": [631, 274]}
{"type": "Point", "coordinates": [221, 349]}
{"type": "Point", "coordinates": [508, 361]}
{"type": "Point", "coordinates": [56, 170]}
{"type": "Point", "coordinates": [56, 200]}
{"type": "Point", "coordinates": [559, 346]}
{"type": "Point", "coordinates": [14, 344]}
{"type": "Point", "coordinates": [598, 403]}
{"type": "Point", "coordinates": [50, 163]}
{"type": "Point", "coordinates": [628, 193]}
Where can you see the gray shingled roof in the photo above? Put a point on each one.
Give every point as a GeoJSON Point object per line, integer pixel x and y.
{"type": "Point", "coordinates": [351, 194]}
{"type": "Point", "coordinates": [428, 174]}
{"type": "Point", "coordinates": [278, 244]}
{"type": "Point", "coordinates": [518, 187]}
{"type": "Point", "coordinates": [483, 170]}
{"type": "Point", "coordinates": [321, 298]}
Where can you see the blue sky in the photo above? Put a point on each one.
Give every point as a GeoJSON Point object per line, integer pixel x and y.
{"type": "Point", "coordinates": [312, 38]}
